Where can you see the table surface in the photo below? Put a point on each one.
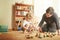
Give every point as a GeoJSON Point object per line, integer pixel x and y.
{"type": "Point", "coordinates": [17, 35]}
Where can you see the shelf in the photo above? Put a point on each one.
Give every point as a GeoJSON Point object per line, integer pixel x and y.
{"type": "Point", "coordinates": [19, 12]}
{"type": "Point", "coordinates": [20, 4]}
{"type": "Point", "coordinates": [20, 16]}
{"type": "Point", "coordinates": [23, 10]}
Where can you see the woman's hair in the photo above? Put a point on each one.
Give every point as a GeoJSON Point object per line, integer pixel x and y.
{"type": "Point", "coordinates": [50, 10]}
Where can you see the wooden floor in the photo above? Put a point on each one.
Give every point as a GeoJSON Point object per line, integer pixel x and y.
{"type": "Point", "coordinates": [17, 35]}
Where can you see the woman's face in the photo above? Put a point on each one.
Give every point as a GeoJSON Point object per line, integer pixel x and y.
{"type": "Point", "coordinates": [48, 15]}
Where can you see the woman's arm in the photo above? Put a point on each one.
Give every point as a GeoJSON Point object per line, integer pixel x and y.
{"type": "Point", "coordinates": [40, 24]}
{"type": "Point", "coordinates": [42, 21]}
{"type": "Point", "coordinates": [56, 19]}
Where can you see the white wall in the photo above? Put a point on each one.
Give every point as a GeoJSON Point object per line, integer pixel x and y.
{"type": "Point", "coordinates": [59, 8]}
{"type": "Point", "coordinates": [41, 5]}
{"type": "Point", "coordinates": [4, 15]}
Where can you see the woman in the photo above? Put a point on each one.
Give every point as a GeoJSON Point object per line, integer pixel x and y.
{"type": "Point", "coordinates": [52, 21]}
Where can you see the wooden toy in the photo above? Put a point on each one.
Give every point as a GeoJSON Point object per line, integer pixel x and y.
{"type": "Point", "coordinates": [45, 34]}
{"type": "Point", "coordinates": [30, 35]}
{"type": "Point", "coordinates": [34, 33]}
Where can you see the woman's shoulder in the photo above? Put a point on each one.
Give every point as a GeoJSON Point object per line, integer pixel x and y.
{"type": "Point", "coordinates": [55, 15]}
{"type": "Point", "coordinates": [44, 15]}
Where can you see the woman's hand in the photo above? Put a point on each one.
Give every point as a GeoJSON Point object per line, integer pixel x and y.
{"type": "Point", "coordinates": [40, 29]}
{"type": "Point", "coordinates": [58, 31]}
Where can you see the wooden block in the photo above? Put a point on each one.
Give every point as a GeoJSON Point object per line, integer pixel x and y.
{"type": "Point", "coordinates": [31, 35]}
{"type": "Point", "coordinates": [41, 35]}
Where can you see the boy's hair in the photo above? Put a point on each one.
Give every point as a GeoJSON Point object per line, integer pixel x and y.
{"type": "Point", "coordinates": [50, 9]}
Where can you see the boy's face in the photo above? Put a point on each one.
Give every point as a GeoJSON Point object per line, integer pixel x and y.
{"type": "Point", "coordinates": [48, 15]}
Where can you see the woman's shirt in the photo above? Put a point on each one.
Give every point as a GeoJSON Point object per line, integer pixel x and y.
{"type": "Point", "coordinates": [50, 20]}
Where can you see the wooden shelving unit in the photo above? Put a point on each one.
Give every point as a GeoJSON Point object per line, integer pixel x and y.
{"type": "Point", "coordinates": [19, 12]}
